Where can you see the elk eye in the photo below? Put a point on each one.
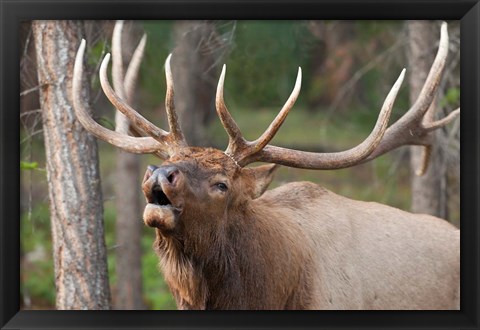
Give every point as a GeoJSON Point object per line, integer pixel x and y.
{"type": "Point", "coordinates": [221, 186]}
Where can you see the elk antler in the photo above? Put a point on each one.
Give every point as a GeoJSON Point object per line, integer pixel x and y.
{"type": "Point", "coordinates": [162, 144]}
{"type": "Point", "coordinates": [410, 129]}
{"type": "Point", "coordinates": [122, 141]}
{"type": "Point", "coordinates": [245, 152]}
{"type": "Point", "coordinates": [125, 85]}
{"type": "Point", "coordinates": [415, 126]}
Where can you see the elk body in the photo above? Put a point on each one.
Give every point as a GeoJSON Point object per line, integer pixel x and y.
{"type": "Point", "coordinates": [226, 242]}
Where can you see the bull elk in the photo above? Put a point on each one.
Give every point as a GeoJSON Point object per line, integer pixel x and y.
{"type": "Point", "coordinates": [226, 242]}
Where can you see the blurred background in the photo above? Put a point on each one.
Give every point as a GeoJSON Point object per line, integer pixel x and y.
{"type": "Point", "coordinates": [348, 68]}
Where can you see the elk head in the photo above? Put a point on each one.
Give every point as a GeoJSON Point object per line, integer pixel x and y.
{"type": "Point", "coordinates": [202, 188]}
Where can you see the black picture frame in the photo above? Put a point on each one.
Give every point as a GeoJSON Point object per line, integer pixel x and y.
{"type": "Point", "coordinates": [14, 11]}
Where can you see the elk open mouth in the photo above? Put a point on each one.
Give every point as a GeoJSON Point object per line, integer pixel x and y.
{"type": "Point", "coordinates": [160, 198]}
{"type": "Point", "coordinates": [160, 212]}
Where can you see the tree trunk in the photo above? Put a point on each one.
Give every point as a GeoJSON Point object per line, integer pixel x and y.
{"type": "Point", "coordinates": [81, 274]}
{"type": "Point", "coordinates": [129, 224]}
{"type": "Point", "coordinates": [128, 229]}
{"type": "Point", "coordinates": [195, 77]}
{"type": "Point", "coordinates": [428, 191]}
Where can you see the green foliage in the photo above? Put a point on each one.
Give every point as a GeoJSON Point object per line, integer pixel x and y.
{"type": "Point", "coordinates": [97, 51]}
{"type": "Point", "coordinates": [157, 294]}
{"type": "Point", "coordinates": [152, 74]}
{"type": "Point", "coordinates": [37, 272]}
{"type": "Point", "coordinates": [24, 165]}
{"type": "Point", "coordinates": [451, 98]}
{"type": "Point", "coordinates": [109, 215]}
{"type": "Point", "coordinates": [366, 30]}
{"type": "Point", "coordinates": [263, 58]}
{"type": "Point", "coordinates": [95, 54]}
{"type": "Point", "coordinates": [106, 123]}
{"type": "Point", "coordinates": [263, 62]}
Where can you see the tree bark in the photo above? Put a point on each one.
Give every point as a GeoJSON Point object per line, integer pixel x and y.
{"type": "Point", "coordinates": [195, 77]}
{"type": "Point", "coordinates": [80, 259]}
{"type": "Point", "coordinates": [428, 191]}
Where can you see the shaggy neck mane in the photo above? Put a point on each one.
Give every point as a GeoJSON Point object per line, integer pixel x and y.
{"type": "Point", "coordinates": [201, 266]}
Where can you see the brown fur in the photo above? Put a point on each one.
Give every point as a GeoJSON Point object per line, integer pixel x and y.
{"type": "Point", "coordinates": [299, 246]}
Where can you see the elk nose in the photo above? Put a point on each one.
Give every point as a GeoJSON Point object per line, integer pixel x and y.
{"type": "Point", "coordinates": [151, 168]}
{"type": "Point", "coordinates": [170, 173]}
{"type": "Point", "coordinates": [149, 173]}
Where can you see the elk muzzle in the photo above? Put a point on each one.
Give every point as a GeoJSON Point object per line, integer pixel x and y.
{"type": "Point", "coordinates": [161, 187]}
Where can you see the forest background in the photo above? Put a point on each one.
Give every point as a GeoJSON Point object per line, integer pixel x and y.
{"type": "Point", "coordinates": [348, 67]}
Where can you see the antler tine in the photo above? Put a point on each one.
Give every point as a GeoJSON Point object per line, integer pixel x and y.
{"type": "Point", "coordinates": [136, 119]}
{"type": "Point", "coordinates": [125, 85]}
{"type": "Point", "coordinates": [131, 75]}
{"type": "Point", "coordinates": [173, 124]}
{"type": "Point", "coordinates": [431, 126]}
{"type": "Point", "coordinates": [117, 59]}
{"type": "Point", "coordinates": [127, 143]}
{"type": "Point", "coordinates": [427, 94]}
{"type": "Point", "coordinates": [235, 138]}
{"type": "Point", "coordinates": [268, 135]}
{"type": "Point", "coordinates": [121, 122]}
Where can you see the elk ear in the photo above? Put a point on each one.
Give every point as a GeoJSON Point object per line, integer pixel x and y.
{"type": "Point", "coordinates": [261, 177]}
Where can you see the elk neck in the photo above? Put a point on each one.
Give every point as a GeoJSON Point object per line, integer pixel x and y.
{"type": "Point", "coordinates": [206, 268]}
